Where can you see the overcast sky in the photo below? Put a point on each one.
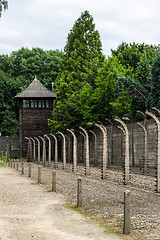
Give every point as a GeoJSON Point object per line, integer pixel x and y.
{"type": "Point", "coordinates": [46, 23]}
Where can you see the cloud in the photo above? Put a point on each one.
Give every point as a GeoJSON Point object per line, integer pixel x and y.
{"type": "Point", "coordinates": [46, 24]}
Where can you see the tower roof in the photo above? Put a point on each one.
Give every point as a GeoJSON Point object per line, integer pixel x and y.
{"type": "Point", "coordinates": [36, 90]}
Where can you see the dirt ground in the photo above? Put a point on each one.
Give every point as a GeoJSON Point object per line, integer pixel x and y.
{"type": "Point", "coordinates": [103, 200]}
{"type": "Point", "coordinates": [29, 211]}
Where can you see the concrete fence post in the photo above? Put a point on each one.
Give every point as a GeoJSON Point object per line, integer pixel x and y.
{"type": "Point", "coordinates": [29, 152]}
{"type": "Point", "coordinates": [64, 150]}
{"type": "Point", "coordinates": [34, 148]}
{"type": "Point", "coordinates": [87, 170]}
{"type": "Point", "coordinates": [6, 157]}
{"type": "Point", "coordinates": [22, 168]}
{"type": "Point", "coordinates": [2, 156]}
{"type": "Point", "coordinates": [105, 151]}
{"type": "Point", "coordinates": [29, 170]}
{"type": "Point", "coordinates": [39, 174]}
{"type": "Point", "coordinates": [53, 181]}
{"type": "Point", "coordinates": [49, 150]}
{"type": "Point", "coordinates": [44, 151]}
{"type": "Point", "coordinates": [111, 142]}
{"type": "Point", "coordinates": [158, 148]}
{"type": "Point", "coordinates": [17, 166]}
{"type": "Point", "coordinates": [145, 163]}
{"type": "Point", "coordinates": [39, 149]}
{"type": "Point", "coordinates": [95, 148]}
{"type": "Point", "coordinates": [127, 217]}
{"type": "Point", "coordinates": [74, 168]}
{"type": "Point", "coordinates": [55, 151]}
{"type": "Point", "coordinates": [126, 164]}
{"type": "Point", "coordinates": [79, 193]}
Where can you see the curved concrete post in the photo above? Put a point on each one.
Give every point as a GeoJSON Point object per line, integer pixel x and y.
{"type": "Point", "coordinates": [64, 149]}
{"type": "Point", "coordinates": [111, 161]}
{"type": "Point", "coordinates": [55, 151]}
{"type": "Point", "coordinates": [144, 117]}
{"type": "Point", "coordinates": [49, 150]}
{"type": "Point", "coordinates": [68, 149]}
{"type": "Point", "coordinates": [34, 148]}
{"type": "Point", "coordinates": [126, 161]}
{"type": "Point", "coordinates": [83, 147]}
{"type": "Point", "coordinates": [74, 150]}
{"type": "Point", "coordinates": [39, 154]}
{"type": "Point", "coordinates": [158, 148]}
{"type": "Point", "coordinates": [145, 167]}
{"type": "Point", "coordinates": [95, 147]}
{"type": "Point", "coordinates": [105, 151]}
{"type": "Point", "coordinates": [29, 148]}
{"type": "Point", "coordinates": [44, 151]}
{"type": "Point", "coordinates": [123, 143]}
{"type": "Point", "coordinates": [122, 129]}
{"type": "Point", "coordinates": [87, 151]}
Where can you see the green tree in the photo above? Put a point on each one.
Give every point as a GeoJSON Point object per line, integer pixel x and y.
{"type": "Point", "coordinates": [143, 71]}
{"type": "Point", "coordinates": [36, 62]}
{"type": "Point", "coordinates": [82, 59]}
{"type": "Point", "coordinates": [104, 93]}
{"type": "Point", "coordinates": [154, 96]}
{"type": "Point", "coordinates": [3, 6]}
{"type": "Point", "coordinates": [8, 107]}
{"type": "Point", "coordinates": [136, 91]}
{"type": "Point", "coordinates": [129, 54]}
{"type": "Point", "coordinates": [122, 105]}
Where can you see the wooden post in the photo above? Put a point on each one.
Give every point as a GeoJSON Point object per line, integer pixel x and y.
{"type": "Point", "coordinates": [127, 217]}
{"type": "Point", "coordinates": [79, 193]}
{"type": "Point", "coordinates": [29, 170]}
{"type": "Point", "coordinates": [39, 174]}
{"type": "Point", "coordinates": [53, 181]}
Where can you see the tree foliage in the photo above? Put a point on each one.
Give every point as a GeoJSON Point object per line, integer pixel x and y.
{"type": "Point", "coordinates": [154, 96]}
{"type": "Point", "coordinates": [8, 107]}
{"type": "Point", "coordinates": [129, 54]}
{"type": "Point", "coordinates": [82, 59]}
{"type": "Point", "coordinates": [3, 6]}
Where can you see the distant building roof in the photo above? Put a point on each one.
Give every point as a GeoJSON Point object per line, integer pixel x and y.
{"type": "Point", "coordinates": [36, 90]}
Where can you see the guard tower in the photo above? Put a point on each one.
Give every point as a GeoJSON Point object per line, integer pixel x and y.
{"type": "Point", "coordinates": [36, 106]}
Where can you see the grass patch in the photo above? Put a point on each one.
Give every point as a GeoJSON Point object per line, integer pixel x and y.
{"type": "Point", "coordinates": [2, 164]}
{"type": "Point", "coordinates": [93, 220]}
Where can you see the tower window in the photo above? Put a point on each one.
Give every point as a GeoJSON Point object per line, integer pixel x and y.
{"type": "Point", "coordinates": [26, 103]}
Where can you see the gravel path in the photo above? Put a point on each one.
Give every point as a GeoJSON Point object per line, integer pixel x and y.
{"type": "Point", "coordinates": [103, 199]}
{"type": "Point", "coordinates": [29, 211]}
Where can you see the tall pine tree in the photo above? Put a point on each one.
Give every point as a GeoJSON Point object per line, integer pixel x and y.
{"type": "Point", "coordinates": [82, 59]}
